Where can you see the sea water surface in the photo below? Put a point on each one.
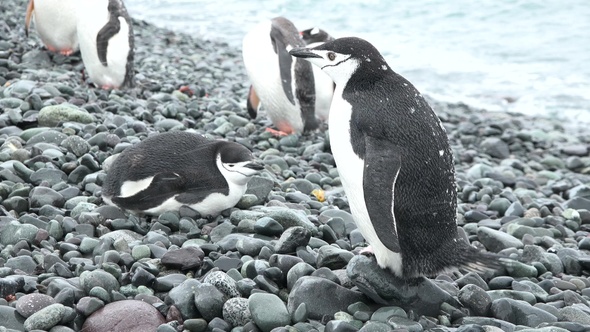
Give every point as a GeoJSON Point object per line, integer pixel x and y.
{"type": "Point", "coordinates": [528, 56]}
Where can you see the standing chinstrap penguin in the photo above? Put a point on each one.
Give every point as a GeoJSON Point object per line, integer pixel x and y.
{"type": "Point", "coordinates": [105, 34]}
{"type": "Point", "coordinates": [395, 163]}
{"type": "Point", "coordinates": [168, 170]}
{"type": "Point", "coordinates": [324, 86]}
{"type": "Point", "coordinates": [55, 22]}
{"type": "Point", "coordinates": [283, 85]}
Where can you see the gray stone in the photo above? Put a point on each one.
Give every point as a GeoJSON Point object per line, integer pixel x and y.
{"type": "Point", "coordinates": [183, 298]}
{"type": "Point", "coordinates": [306, 290]}
{"type": "Point", "coordinates": [209, 301]}
{"type": "Point", "coordinates": [236, 312]}
{"type": "Point", "coordinates": [268, 311]}
{"type": "Point", "coordinates": [23, 263]}
{"type": "Point", "coordinates": [292, 238]}
{"type": "Point", "coordinates": [223, 283]}
{"type": "Point", "coordinates": [475, 299]}
{"type": "Point", "coordinates": [520, 313]}
{"type": "Point", "coordinates": [333, 258]}
{"type": "Point", "coordinates": [289, 218]}
{"type": "Point", "coordinates": [45, 318]}
{"type": "Point", "coordinates": [100, 278]}
{"type": "Point", "coordinates": [31, 303]}
{"type": "Point", "coordinates": [50, 116]}
{"type": "Point", "coordinates": [421, 295]}
{"type": "Point", "coordinates": [11, 319]}
{"type": "Point", "coordinates": [496, 241]}
{"type": "Point", "coordinates": [14, 232]}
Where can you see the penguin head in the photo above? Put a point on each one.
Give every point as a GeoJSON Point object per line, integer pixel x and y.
{"type": "Point", "coordinates": [236, 163]}
{"type": "Point", "coordinates": [315, 35]}
{"type": "Point", "coordinates": [342, 57]}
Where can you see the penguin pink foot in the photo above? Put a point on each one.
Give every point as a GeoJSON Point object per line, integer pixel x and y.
{"type": "Point", "coordinates": [276, 133]}
{"type": "Point", "coordinates": [368, 251]}
{"type": "Point", "coordinates": [66, 52]}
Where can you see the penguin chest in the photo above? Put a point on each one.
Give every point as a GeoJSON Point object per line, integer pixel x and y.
{"type": "Point", "coordinates": [350, 166]}
{"type": "Point", "coordinates": [93, 17]}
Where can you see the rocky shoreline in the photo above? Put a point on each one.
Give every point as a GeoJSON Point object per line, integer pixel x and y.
{"type": "Point", "coordinates": [284, 259]}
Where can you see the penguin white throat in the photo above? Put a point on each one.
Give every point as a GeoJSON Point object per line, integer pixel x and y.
{"type": "Point", "coordinates": [236, 174]}
{"type": "Point", "coordinates": [340, 67]}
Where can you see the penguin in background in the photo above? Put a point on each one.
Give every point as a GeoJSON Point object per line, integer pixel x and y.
{"type": "Point", "coordinates": [282, 84]}
{"type": "Point", "coordinates": [324, 86]}
{"type": "Point", "coordinates": [168, 170]}
{"type": "Point", "coordinates": [395, 164]}
{"type": "Point", "coordinates": [105, 34]}
{"type": "Point", "coordinates": [55, 22]}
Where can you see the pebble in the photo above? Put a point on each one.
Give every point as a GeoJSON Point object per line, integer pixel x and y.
{"type": "Point", "coordinates": [268, 311]}
{"type": "Point", "coordinates": [521, 188]}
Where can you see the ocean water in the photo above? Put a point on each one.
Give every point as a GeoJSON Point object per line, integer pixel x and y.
{"type": "Point", "coordinates": [527, 56]}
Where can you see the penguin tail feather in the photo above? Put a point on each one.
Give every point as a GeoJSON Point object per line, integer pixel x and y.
{"type": "Point", "coordinates": [479, 262]}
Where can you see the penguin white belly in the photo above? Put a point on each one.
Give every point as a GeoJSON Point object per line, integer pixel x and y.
{"type": "Point", "coordinates": [262, 66]}
{"type": "Point", "coordinates": [324, 90]}
{"type": "Point", "coordinates": [93, 15]}
{"type": "Point", "coordinates": [55, 22]}
{"type": "Point", "coordinates": [212, 204]}
{"type": "Point", "coordinates": [350, 170]}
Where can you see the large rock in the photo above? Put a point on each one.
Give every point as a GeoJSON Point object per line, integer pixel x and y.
{"type": "Point", "coordinates": [520, 313]}
{"type": "Point", "coordinates": [50, 116]}
{"type": "Point", "coordinates": [10, 319]}
{"type": "Point", "coordinates": [127, 315]}
{"type": "Point", "coordinates": [496, 241]}
{"type": "Point", "coordinates": [307, 289]}
{"type": "Point", "coordinates": [420, 295]}
{"type": "Point", "coordinates": [268, 311]}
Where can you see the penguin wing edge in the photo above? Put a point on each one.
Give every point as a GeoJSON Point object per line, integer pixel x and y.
{"type": "Point", "coordinates": [285, 61]}
{"type": "Point", "coordinates": [382, 166]}
{"type": "Point", "coordinates": [110, 29]}
{"type": "Point", "coordinates": [162, 187]}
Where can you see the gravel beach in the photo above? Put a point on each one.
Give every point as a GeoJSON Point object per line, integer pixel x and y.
{"type": "Point", "coordinates": [286, 257]}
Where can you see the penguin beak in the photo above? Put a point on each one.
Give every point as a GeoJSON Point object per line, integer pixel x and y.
{"type": "Point", "coordinates": [255, 166]}
{"type": "Point", "coordinates": [303, 53]}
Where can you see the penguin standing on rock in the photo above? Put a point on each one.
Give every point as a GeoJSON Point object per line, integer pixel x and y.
{"type": "Point", "coordinates": [282, 84]}
{"type": "Point", "coordinates": [105, 34]}
{"type": "Point", "coordinates": [168, 170]}
{"type": "Point", "coordinates": [55, 22]}
{"type": "Point", "coordinates": [395, 163]}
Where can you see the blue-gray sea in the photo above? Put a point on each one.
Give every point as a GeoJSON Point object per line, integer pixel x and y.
{"type": "Point", "coordinates": [528, 56]}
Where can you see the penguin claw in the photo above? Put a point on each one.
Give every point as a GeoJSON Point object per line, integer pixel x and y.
{"type": "Point", "coordinates": [276, 133]}
{"type": "Point", "coordinates": [66, 52]}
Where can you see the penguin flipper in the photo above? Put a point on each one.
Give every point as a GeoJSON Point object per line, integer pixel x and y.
{"type": "Point", "coordinates": [110, 29]}
{"type": "Point", "coordinates": [382, 166]}
{"type": "Point", "coordinates": [285, 61]}
{"type": "Point", "coordinates": [162, 187]}
{"type": "Point", "coordinates": [30, 9]}
{"type": "Point", "coordinates": [252, 103]}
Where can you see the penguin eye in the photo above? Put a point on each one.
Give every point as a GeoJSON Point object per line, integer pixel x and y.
{"type": "Point", "coordinates": [331, 56]}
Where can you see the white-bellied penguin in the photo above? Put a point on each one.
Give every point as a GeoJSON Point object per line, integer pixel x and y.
{"type": "Point", "coordinates": [283, 85]}
{"type": "Point", "coordinates": [105, 33]}
{"type": "Point", "coordinates": [55, 22]}
{"type": "Point", "coordinates": [166, 171]}
{"type": "Point", "coordinates": [395, 163]}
